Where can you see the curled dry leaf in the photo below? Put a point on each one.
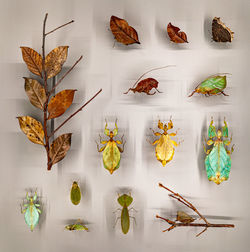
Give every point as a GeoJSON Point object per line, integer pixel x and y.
{"type": "Point", "coordinates": [54, 60]}
{"type": "Point", "coordinates": [35, 92]}
{"type": "Point", "coordinates": [123, 33]}
{"type": "Point", "coordinates": [176, 35]}
{"type": "Point", "coordinates": [60, 103]}
{"type": "Point", "coordinates": [59, 148]}
{"type": "Point", "coordinates": [32, 128]}
{"type": "Point", "coordinates": [33, 60]}
{"type": "Point", "coordinates": [184, 217]}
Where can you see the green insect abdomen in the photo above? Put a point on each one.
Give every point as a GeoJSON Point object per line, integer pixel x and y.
{"type": "Point", "coordinates": [31, 217]}
{"type": "Point", "coordinates": [125, 222]}
{"type": "Point", "coordinates": [218, 164]}
{"type": "Point", "coordinates": [111, 157]}
{"type": "Point", "coordinates": [213, 85]}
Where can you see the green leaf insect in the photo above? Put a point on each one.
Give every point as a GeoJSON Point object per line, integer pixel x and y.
{"type": "Point", "coordinates": [213, 85]}
{"type": "Point", "coordinates": [78, 226]}
{"type": "Point", "coordinates": [218, 160]}
{"type": "Point", "coordinates": [31, 211]}
{"type": "Point", "coordinates": [125, 201]}
{"type": "Point", "coordinates": [75, 193]}
{"type": "Point", "coordinates": [111, 152]}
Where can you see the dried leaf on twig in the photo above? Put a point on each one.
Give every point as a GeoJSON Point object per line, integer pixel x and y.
{"type": "Point", "coordinates": [32, 128]}
{"type": "Point", "coordinates": [184, 217]}
{"type": "Point", "coordinates": [176, 35]}
{"type": "Point", "coordinates": [59, 148]}
{"type": "Point", "coordinates": [60, 103]}
{"type": "Point", "coordinates": [123, 33]}
{"type": "Point", "coordinates": [33, 60]}
{"type": "Point", "coordinates": [36, 92]}
{"type": "Point", "coordinates": [54, 60]}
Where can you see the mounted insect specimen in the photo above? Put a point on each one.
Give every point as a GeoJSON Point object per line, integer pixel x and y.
{"type": "Point", "coordinates": [125, 201]}
{"type": "Point", "coordinates": [75, 193]}
{"type": "Point", "coordinates": [220, 32]}
{"type": "Point", "coordinates": [213, 85]}
{"type": "Point", "coordinates": [31, 211]}
{"type": "Point", "coordinates": [123, 33]}
{"type": "Point", "coordinates": [77, 226]}
{"type": "Point", "coordinates": [39, 95]}
{"type": "Point", "coordinates": [185, 220]}
{"type": "Point", "coordinates": [164, 150]}
{"type": "Point", "coordinates": [218, 160]}
{"type": "Point", "coordinates": [145, 85]}
{"type": "Point", "coordinates": [111, 152]}
{"type": "Point", "coordinates": [176, 35]}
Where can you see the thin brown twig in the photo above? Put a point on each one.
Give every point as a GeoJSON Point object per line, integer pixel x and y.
{"type": "Point", "coordinates": [175, 224]}
{"type": "Point", "coordinates": [51, 91]}
{"type": "Point", "coordinates": [72, 21]}
{"type": "Point", "coordinates": [74, 113]}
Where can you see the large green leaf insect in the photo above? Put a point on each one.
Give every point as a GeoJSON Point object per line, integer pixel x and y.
{"type": "Point", "coordinates": [218, 160]}
{"type": "Point", "coordinates": [213, 85]}
{"type": "Point", "coordinates": [75, 193]}
{"type": "Point", "coordinates": [125, 201]}
{"type": "Point", "coordinates": [111, 152]}
{"type": "Point", "coordinates": [78, 226]}
{"type": "Point", "coordinates": [31, 211]}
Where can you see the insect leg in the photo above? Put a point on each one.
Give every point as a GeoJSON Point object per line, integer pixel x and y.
{"type": "Point", "coordinates": [120, 149]}
{"type": "Point", "coordinates": [224, 93]}
{"type": "Point", "coordinates": [155, 133]}
{"type": "Point", "coordinates": [149, 93]}
{"type": "Point", "coordinates": [37, 205]}
{"type": "Point", "coordinates": [39, 211]}
{"type": "Point", "coordinates": [130, 89]}
{"type": "Point", "coordinates": [174, 143]}
{"type": "Point", "coordinates": [133, 219]}
{"type": "Point", "coordinates": [116, 221]}
{"type": "Point", "coordinates": [100, 150]}
{"type": "Point", "coordinates": [158, 90]}
{"type": "Point", "coordinates": [132, 209]}
{"type": "Point", "coordinates": [118, 209]}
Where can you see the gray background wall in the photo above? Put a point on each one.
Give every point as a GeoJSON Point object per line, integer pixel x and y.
{"type": "Point", "coordinates": [115, 69]}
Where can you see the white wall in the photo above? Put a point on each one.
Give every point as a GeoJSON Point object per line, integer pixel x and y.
{"type": "Point", "coordinates": [115, 69]}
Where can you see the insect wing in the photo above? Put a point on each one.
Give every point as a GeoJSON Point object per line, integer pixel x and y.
{"type": "Point", "coordinates": [75, 194]}
{"type": "Point", "coordinates": [125, 222]}
{"type": "Point", "coordinates": [31, 217]}
{"type": "Point", "coordinates": [111, 157]}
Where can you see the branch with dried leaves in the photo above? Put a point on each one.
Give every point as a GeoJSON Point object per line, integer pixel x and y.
{"type": "Point", "coordinates": [185, 220]}
{"type": "Point", "coordinates": [39, 95]}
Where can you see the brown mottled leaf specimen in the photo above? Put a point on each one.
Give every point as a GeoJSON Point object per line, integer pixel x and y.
{"type": "Point", "coordinates": [60, 103]}
{"type": "Point", "coordinates": [123, 33]}
{"type": "Point", "coordinates": [220, 32]}
{"type": "Point", "coordinates": [59, 148]}
{"type": "Point", "coordinates": [32, 128]}
{"type": "Point", "coordinates": [184, 217]}
{"type": "Point", "coordinates": [145, 85]}
{"type": "Point", "coordinates": [176, 35]}
{"type": "Point", "coordinates": [35, 92]}
{"type": "Point", "coordinates": [33, 60]}
{"type": "Point", "coordinates": [54, 60]}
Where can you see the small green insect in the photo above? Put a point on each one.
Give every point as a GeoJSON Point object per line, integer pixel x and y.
{"type": "Point", "coordinates": [213, 85]}
{"type": "Point", "coordinates": [125, 201]}
{"type": "Point", "coordinates": [218, 160]}
{"type": "Point", "coordinates": [111, 152]}
{"type": "Point", "coordinates": [77, 226]}
{"type": "Point", "coordinates": [31, 211]}
{"type": "Point", "coordinates": [75, 193]}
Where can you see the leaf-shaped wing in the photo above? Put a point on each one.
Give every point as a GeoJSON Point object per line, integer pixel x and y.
{"type": "Point", "coordinates": [32, 128]}
{"type": "Point", "coordinates": [184, 217]}
{"type": "Point", "coordinates": [59, 148]}
{"type": "Point", "coordinates": [175, 35]}
{"type": "Point", "coordinates": [54, 60]}
{"type": "Point", "coordinates": [215, 82]}
{"type": "Point", "coordinates": [33, 60]}
{"type": "Point", "coordinates": [123, 33]}
{"type": "Point", "coordinates": [35, 92]}
{"type": "Point", "coordinates": [60, 103]}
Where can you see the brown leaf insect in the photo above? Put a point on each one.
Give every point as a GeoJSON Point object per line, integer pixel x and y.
{"type": "Point", "coordinates": [176, 35]}
{"type": "Point", "coordinates": [145, 85]}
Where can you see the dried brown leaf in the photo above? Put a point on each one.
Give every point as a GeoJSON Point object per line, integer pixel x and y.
{"type": "Point", "coordinates": [60, 103]}
{"type": "Point", "coordinates": [35, 92]}
{"type": "Point", "coordinates": [175, 35]}
{"type": "Point", "coordinates": [32, 128]}
{"type": "Point", "coordinates": [33, 60]}
{"type": "Point", "coordinates": [54, 60]}
{"type": "Point", "coordinates": [59, 148]}
{"type": "Point", "coordinates": [123, 33]}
